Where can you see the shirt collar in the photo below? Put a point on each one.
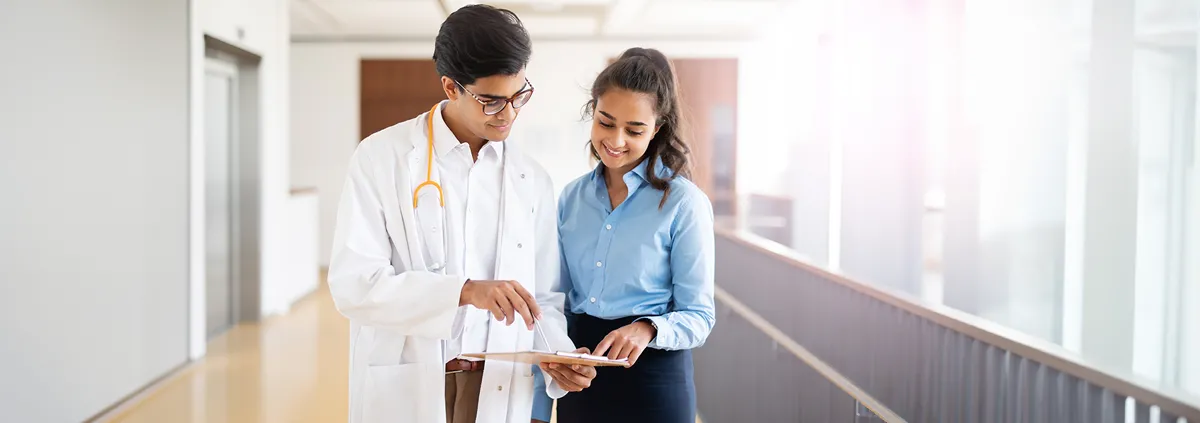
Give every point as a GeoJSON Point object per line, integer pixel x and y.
{"type": "Point", "coordinates": [641, 171]}
{"type": "Point", "coordinates": [496, 147]}
{"type": "Point", "coordinates": [634, 179]}
{"type": "Point", "coordinates": [444, 141]}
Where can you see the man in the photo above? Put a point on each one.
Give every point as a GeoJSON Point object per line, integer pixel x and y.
{"type": "Point", "coordinates": [441, 227]}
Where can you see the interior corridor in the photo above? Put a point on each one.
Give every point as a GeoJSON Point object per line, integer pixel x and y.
{"type": "Point", "coordinates": [289, 368]}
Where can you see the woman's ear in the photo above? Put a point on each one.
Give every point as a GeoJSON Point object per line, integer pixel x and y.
{"type": "Point", "coordinates": [450, 87]}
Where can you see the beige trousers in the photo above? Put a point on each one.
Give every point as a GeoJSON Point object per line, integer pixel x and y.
{"type": "Point", "coordinates": [462, 396]}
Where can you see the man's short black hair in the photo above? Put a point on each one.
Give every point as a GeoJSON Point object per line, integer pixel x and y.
{"type": "Point", "coordinates": [478, 41]}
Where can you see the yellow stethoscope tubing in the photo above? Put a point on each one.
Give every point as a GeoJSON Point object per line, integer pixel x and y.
{"type": "Point", "coordinates": [429, 162]}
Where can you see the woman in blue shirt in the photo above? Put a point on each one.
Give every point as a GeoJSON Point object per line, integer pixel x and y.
{"type": "Point", "coordinates": [637, 246]}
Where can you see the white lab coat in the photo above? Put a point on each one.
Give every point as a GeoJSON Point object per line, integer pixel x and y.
{"type": "Point", "coordinates": [400, 311]}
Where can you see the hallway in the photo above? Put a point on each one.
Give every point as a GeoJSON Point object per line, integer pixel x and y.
{"type": "Point", "coordinates": [291, 368]}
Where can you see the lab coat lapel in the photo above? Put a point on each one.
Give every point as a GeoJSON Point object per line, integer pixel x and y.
{"type": "Point", "coordinates": [414, 160]}
{"type": "Point", "coordinates": [512, 263]}
{"type": "Point", "coordinates": [515, 243]}
{"type": "Point", "coordinates": [516, 230]}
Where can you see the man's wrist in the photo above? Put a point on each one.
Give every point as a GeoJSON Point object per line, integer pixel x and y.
{"type": "Point", "coordinates": [464, 295]}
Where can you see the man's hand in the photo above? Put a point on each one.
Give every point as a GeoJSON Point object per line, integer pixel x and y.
{"type": "Point", "coordinates": [572, 378]}
{"type": "Point", "coordinates": [627, 342]}
{"type": "Point", "coordinates": [503, 298]}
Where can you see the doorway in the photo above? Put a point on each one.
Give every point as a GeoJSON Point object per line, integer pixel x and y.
{"type": "Point", "coordinates": [220, 194]}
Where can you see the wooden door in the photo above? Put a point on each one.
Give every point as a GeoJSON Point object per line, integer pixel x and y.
{"type": "Point", "coordinates": [708, 90]}
{"type": "Point", "coordinates": [393, 91]}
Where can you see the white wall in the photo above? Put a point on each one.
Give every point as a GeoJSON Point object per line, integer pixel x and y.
{"type": "Point", "coordinates": [303, 266]}
{"type": "Point", "coordinates": [1190, 327]}
{"type": "Point", "coordinates": [325, 103]}
{"type": "Point", "coordinates": [93, 221]}
{"type": "Point", "coordinates": [260, 27]}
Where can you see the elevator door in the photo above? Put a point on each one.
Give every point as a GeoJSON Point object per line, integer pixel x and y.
{"type": "Point", "coordinates": [220, 138]}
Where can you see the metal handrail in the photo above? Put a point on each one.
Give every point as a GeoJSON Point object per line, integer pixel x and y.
{"type": "Point", "coordinates": [833, 376]}
{"type": "Point", "coordinates": [1168, 399]}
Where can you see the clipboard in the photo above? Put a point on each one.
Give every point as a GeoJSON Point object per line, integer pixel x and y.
{"type": "Point", "coordinates": [535, 357]}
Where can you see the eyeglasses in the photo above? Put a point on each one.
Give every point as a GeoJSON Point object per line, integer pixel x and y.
{"type": "Point", "coordinates": [497, 105]}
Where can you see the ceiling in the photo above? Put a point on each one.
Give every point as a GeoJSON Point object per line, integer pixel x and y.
{"type": "Point", "coordinates": [400, 20]}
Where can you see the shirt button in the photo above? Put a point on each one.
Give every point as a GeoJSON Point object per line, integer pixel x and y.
{"type": "Point", "coordinates": [609, 227]}
{"type": "Point", "coordinates": [500, 388]}
{"type": "Point", "coordinates": [593, 299]}
{"type": "Point", "coordinates": [518, 245]}
{"type": "Point", "coordinates": [598, 264]}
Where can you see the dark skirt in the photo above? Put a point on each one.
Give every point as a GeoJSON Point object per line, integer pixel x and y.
{"type": "Point", "coordinates": [658, 388]}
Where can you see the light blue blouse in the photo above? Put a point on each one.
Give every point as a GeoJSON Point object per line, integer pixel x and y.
{"type": "Point", "coordinates": [638, 259]}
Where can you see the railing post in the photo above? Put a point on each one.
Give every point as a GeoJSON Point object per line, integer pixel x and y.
{"type": "Point", "coordinates": [862, 414]}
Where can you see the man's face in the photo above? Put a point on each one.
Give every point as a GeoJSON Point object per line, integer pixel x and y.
{"type": "Point", "coordinates": [498, 88]}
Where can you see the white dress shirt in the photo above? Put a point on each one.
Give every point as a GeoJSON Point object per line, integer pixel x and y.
{"type": "Point", "coordinates": [472, 196]}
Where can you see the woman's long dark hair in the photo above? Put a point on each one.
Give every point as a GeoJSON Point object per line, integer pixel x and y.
{"type": "Point", "coordinates": [646, 70]}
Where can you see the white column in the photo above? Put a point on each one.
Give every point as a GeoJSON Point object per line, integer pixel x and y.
{"type": "Point", "coordinates": [881, 140]}
{"type": "Point", "coordinates": [1005, 170]}
{"type": "Point", "coordinates": [809, 171]}
{"type": "Point", "coordinates": [1110, 221]}
{"type": "Point", "coordinates": [1189, 372]}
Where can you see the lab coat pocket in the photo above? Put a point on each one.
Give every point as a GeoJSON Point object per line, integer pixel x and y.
{"type": "Point", "coordinates": [522, 397]}
{"type": "Point", "coordinates": [402, 393]}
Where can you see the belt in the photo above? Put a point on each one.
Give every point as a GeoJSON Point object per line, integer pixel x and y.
{"type": "Point", "coordinates": [460, 365]}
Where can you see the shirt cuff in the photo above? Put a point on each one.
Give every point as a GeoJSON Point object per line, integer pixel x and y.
{"type": "Point", "coordinates": [664, 339]}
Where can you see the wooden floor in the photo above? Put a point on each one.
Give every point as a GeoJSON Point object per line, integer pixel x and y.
{"type": "Point", "coordinates": [290, 368]}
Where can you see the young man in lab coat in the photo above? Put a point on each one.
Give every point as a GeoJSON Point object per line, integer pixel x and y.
{"type": "Point", "coordinates": [446, 244]}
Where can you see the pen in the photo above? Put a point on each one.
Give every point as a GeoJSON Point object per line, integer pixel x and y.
{"type": "Point", "coordinates": [537, 326]}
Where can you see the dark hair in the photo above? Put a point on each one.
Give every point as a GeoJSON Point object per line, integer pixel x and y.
{"type": "Point", "coordinates": [646, 70]}
{"type": "Point", "coordinates": [478, 41]}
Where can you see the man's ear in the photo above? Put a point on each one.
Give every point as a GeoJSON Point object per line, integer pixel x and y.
{"type": "Point", "coordinates": [450, 88]}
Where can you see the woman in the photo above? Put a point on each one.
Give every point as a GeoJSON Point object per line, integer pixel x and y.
{"type": "Point", "coordinates": [637, 245]}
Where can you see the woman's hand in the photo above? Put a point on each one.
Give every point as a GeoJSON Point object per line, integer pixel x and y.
{"type": "Point", "coordinates": [627, 342]}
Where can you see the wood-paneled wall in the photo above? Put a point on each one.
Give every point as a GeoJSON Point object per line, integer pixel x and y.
{"type": "Point", "coordinates": [393, 91]}
{"type": "Point", "coordinates": [708, 88]}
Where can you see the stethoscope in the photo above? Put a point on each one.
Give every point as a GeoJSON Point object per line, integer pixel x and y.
{"type": "Point", "coordinates": [429, 162]}
{"type": "Point", "coordinates": [432, 220]}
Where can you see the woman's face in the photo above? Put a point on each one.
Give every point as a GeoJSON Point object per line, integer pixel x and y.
{"type": "Point", "coordinates": [622, 127]}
